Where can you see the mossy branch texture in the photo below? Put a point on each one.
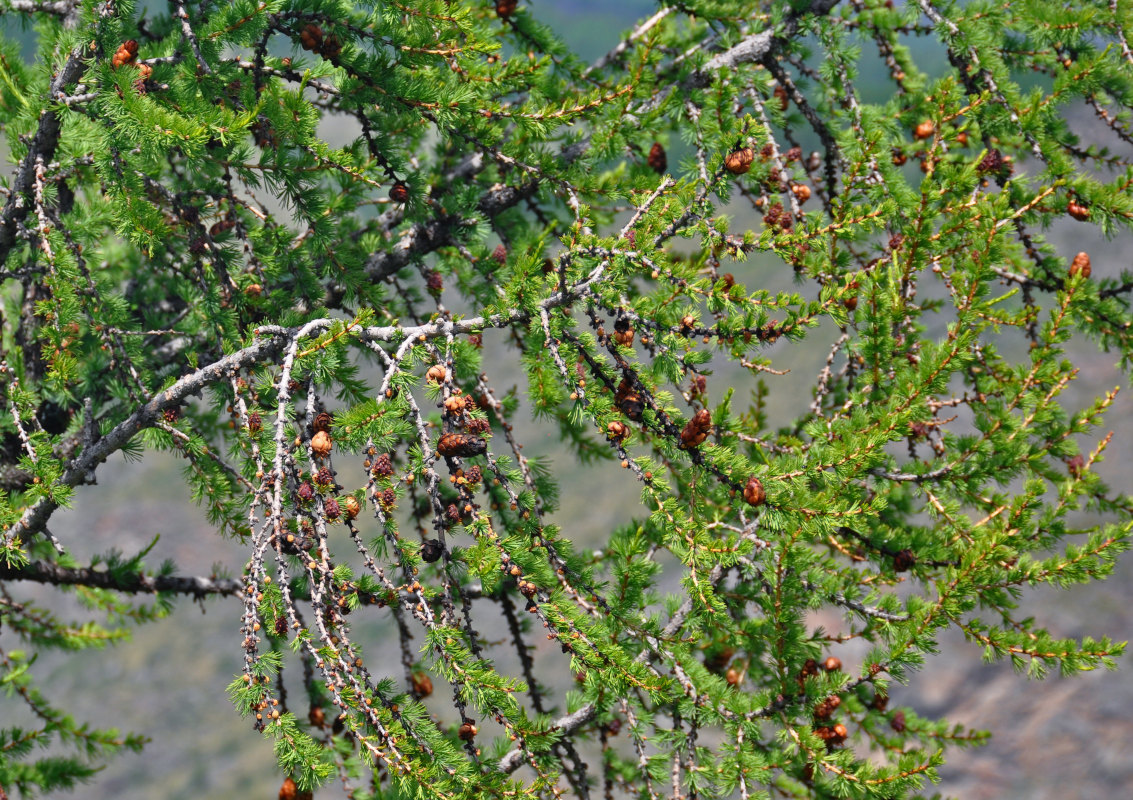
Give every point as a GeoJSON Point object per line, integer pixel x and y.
{"type": "Point", "coordinates": [309, 245]}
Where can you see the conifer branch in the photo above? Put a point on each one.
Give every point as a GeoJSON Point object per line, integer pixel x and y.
{"type": "Point", "coordinates": [131, 582]}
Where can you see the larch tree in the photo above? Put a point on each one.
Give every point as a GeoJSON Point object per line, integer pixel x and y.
{"type": "Point", "coordinates": [297, 243]}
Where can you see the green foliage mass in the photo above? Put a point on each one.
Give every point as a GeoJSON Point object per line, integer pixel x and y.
{"type": "Point", "coordinates": [292, 241]}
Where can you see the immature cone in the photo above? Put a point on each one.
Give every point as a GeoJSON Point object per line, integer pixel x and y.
{"type": "Point", "coordinates": [467, 731]}
{"type": "Point", "coordinates": [321, 444]}
{"type": "Point", "coordinates": [832, 664]}
{"type": "Point", "coordinates": [924, 130]}
{"type": "Point", "coordinates": [754, 495]}
{"type": "Point", "coordinates": [350, 506]}
{"type": "Point", "coordinates": [1078, 211]}
{"type": "Point", "coordinates": [505, 8]}
{"type": "Point", "coordinates": [733, 677]}
{"type": "Point", "coordinates": [1081, 265]}
{"type": "Point", "coordinates": [801, 191]}
{"type": "Point", "coordinates": [657, 159]}
{"type": "Point", "coordinates": [739, 161]}
{"type": "Point", "coordinates": [616, 431]}
{"type": "Point", "coordinates": [288, 791]}
{"type": "Point", "coordinates": [399, 192]}
{"type": "Point", "coordinates": [126, 53]}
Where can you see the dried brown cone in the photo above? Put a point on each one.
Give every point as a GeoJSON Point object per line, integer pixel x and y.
{"type": "Point", "coordinates": [322, 422]}
{"type": "Point", "coordinates": [316, 716]}
{"type": "Point", "coordinates": [782, 96]}
{"type": "Point", "coordinates": [399, 192]}
{"type": "Point", "coordinates": [827, 707]}
{"type": "Point", "coordinates": [331, 47]}
{"type": "Point", "coordinates": [461, 445]}
{"type": "Point", "coordinates": [311, 37]}
{"type": "Point", "coordinates": [904, 560]}
{"type": "Point", "coordinates": [422, 684]}
{"type": "Point", "coordinates": [832, 664]}
{"type": "Point", "coordinates": [431, 550]}
{"type": "Point", "coordinates": [754, 494]}
{"type": "Point", "coordinates": [697, 429]}
{"type": "Point", "coordinates": [505, 8]}
{"type": "Point", "coordinates": [467, 731]}
{"type": "Point", "coordinates": [1078, 211]}
{"type": "Point", "coordinates": [351, 507]}
{"type": "Point", "coordinates": [801, 192]}
{"type": "Point", "coordinates": [739, 161]}
{"type": "Point", "coordinates": [992, 162]}
{"type": "Point", "coordinates": [632, 406]}
{"type": "Point", "coordinates": [288, 791]}
{"type": "Point", "coordinates": [436, 373]}
{"type": "Point", "coordinates": [924, 130]}
{"type": "Point", "coordinates": [657, 160]}
{"type": "Point", "coordinates": [1081, 265]}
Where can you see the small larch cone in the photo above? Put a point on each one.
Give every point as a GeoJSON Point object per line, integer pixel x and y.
{"type": "Point", "coordinates": [657, 159]}
{"type": "Point", "coordinates": [616, 431]}
{"type": "Point", "coordinates": [289, 791]}
{"type": "Point", "coordinates": [321, 444]}
{"type": "Point", "coordinates": [322, 421]}
{"type": "Point", "coordinates": [125, 54]}
{"type": "Point", "coordinates": [461, 445]}
{"type": "Point", "coordinates": [754, 494]}
{"type": "Point", "coordinates": [739, 161]}
{"type": "Point", "coordinates": [1081, 265]}
{"type": "Point", "coordinates": [422, 684]}
{"type": "Point", "coordinates": [697, 429]}
{"type": "Point", "coordinates": [924, 130]}
{"type": "Point", "coordinates": [311, 37]}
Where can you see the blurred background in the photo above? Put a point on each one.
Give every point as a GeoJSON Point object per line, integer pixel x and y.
{"type": "Point", "coordinates": [1058, 738]}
